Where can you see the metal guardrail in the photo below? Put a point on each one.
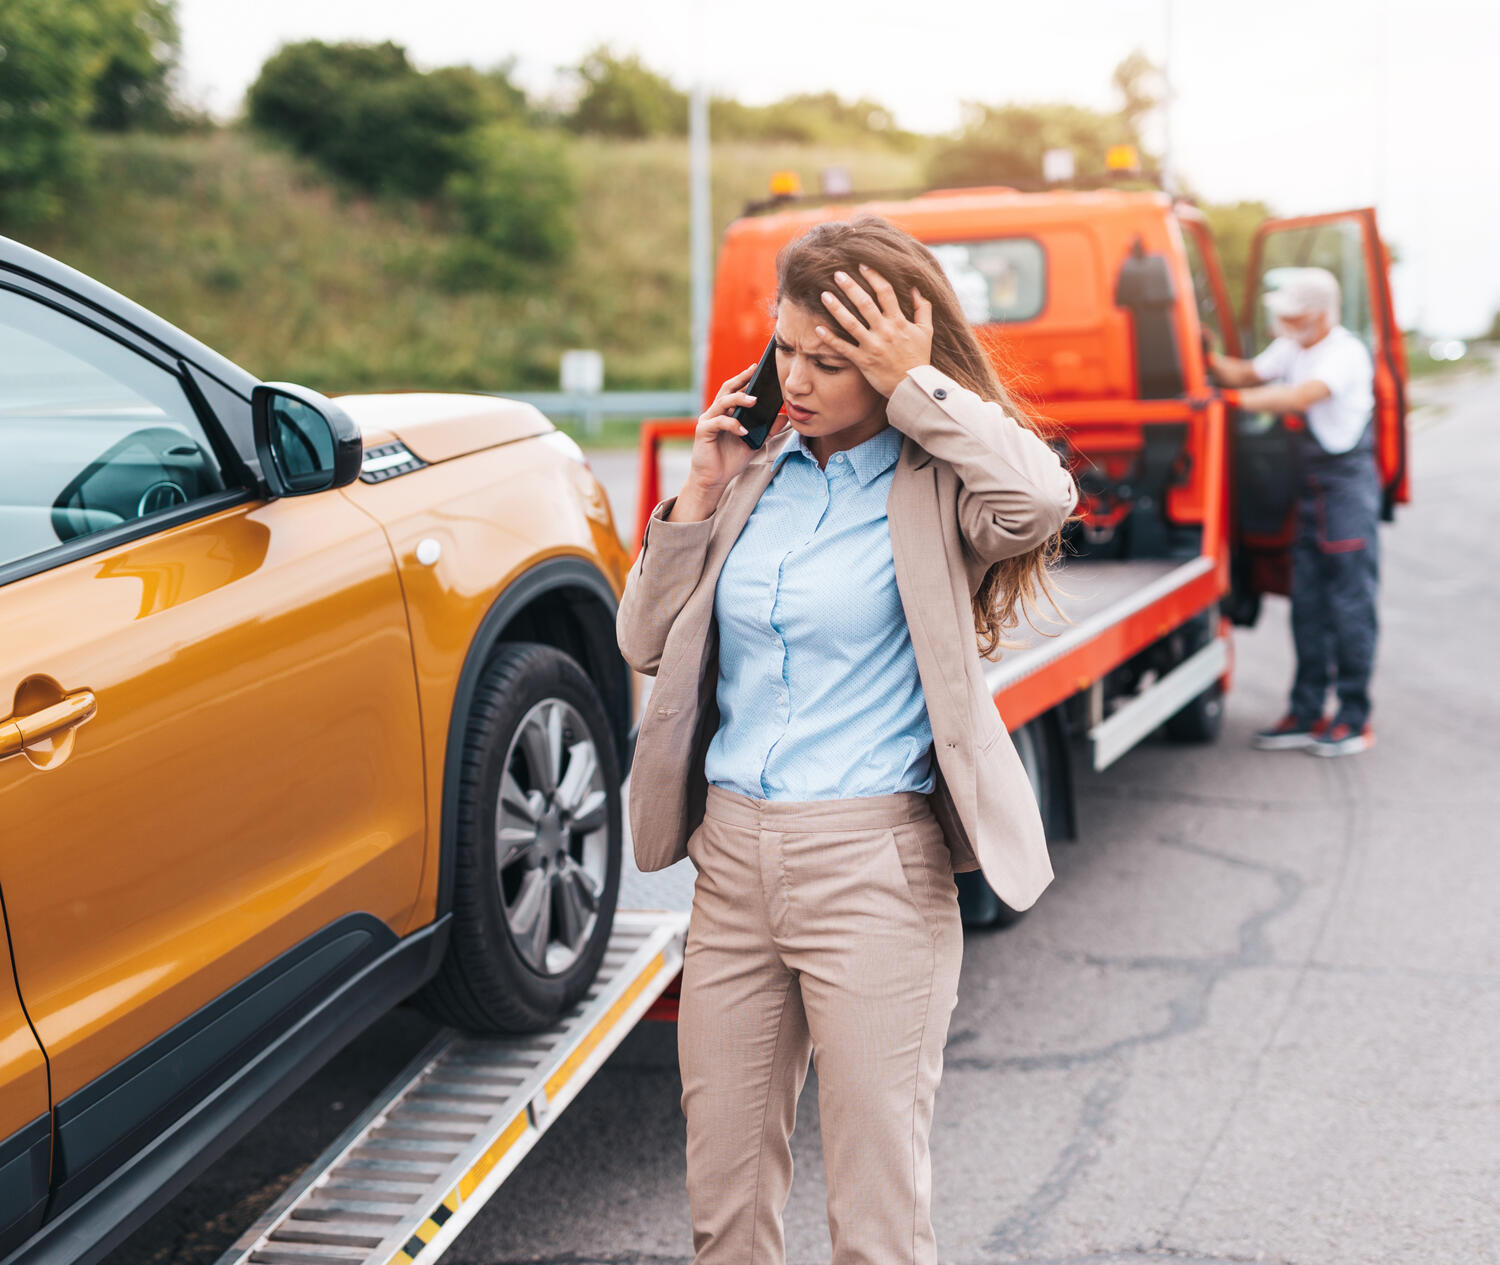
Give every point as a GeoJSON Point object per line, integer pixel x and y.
{"type": "Point", "coordinates": [593, 408]}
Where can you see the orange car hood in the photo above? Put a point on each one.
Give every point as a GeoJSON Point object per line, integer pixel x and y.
{"type": "Point", "coordinates": [437, 427]}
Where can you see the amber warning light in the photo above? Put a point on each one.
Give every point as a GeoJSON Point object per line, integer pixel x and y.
{"type": "Point", "coordinates": [785, 184]}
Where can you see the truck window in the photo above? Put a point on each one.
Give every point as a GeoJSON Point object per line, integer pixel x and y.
{"type": "Point", "coordinates": [1337, 246]}
{"type": "Point", "coordinates": [1209, 315]}
{"type": "Point", "coordinates": [996, 281]}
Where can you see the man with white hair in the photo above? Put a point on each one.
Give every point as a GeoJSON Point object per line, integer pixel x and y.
{"type": "Point", "coordinates": [1318, 368]}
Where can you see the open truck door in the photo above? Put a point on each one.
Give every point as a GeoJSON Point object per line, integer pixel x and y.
{"type": "Point", "coordinates": [1347, 244]}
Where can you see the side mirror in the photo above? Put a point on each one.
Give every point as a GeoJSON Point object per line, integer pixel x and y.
{"type": "Point", "coordinates": [306, 442]}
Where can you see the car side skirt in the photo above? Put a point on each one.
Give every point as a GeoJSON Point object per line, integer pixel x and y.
{"type": "Point", "coordinates": [101, 1202]}
{"type": "Point", "coordinates": [24, 1160]}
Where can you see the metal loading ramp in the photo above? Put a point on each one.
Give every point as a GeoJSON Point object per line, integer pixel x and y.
{"type": "Point", "coordinates": [407, 1176]}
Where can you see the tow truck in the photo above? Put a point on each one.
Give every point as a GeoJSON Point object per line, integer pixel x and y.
{"type": "Point", "coordinates": [1097, 304]}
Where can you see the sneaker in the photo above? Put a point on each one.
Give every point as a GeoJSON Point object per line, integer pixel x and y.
{"type": "Point", "coordinates": [1342, 739]}
{"type": "Point", "coordinates": [1289, 733]}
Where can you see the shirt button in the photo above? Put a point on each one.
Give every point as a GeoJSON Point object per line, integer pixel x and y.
{"type": "Point", "coordinates": [940, 394]}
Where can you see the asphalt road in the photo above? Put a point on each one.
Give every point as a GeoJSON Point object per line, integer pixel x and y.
{"type": "Point", "coordinates": [1256, 1018]}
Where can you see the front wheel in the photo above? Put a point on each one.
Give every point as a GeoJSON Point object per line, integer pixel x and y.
{"type": "Point", "coordinates": [537, 864]}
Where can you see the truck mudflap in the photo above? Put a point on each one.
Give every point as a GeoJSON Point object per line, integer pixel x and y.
{"type": "Point", "coordinates": [410, 1173]}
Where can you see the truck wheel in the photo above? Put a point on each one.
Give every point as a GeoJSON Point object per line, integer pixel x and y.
{"type": "Point", "coordinates": [978, 904]}
{"type": "Point", "coordinates": [1201, 719]}
{"type": "Point", "coordinates": [537, 865]}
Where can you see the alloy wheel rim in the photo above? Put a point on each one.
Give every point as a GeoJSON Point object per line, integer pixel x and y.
{"type": "Point", "coordinates": [551, 836]}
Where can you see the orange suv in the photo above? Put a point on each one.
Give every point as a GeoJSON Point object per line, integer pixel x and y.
{"type": "Point", "coordinates": [307, 705]}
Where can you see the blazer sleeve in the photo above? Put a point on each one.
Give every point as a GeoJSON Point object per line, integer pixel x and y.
{"type": "Point", "coordinates": [662, 578]}
{"type": "Point", "coordinates": [1014, 490]}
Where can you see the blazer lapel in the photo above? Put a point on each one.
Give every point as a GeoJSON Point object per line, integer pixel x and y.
{"type": "Point", "coordinates": [914, 512]}
{"type": "Point", "coordinates": [921, 567]}
{"type": "Point", "coordinates": [734, 511]}
{"type": "Point", "coordinates": [729, 520]}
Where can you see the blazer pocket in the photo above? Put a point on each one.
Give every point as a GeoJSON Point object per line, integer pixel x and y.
{"type": "Point", "coordinates": [992, 732]}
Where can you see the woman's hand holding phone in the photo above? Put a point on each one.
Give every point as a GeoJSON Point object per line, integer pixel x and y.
{"type": "Point", "coordinates": [719, 452]}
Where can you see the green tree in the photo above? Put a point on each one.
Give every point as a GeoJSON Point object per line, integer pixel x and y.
{"type": "Point", "coordinates": [620, 97]}
{"type": "Point", "coordinates": [1139, 82]}
{"type": "Point", "coordinates": [403, 135]}
{"type": "Point", "coordinates": [1004, 144]}
{"type": "Point", "coordinates": [811, 118]}
{"type": "Point", "coordinates": [515, 197]}
{"type": "Point", "coordinates": [141, 42]}
{"type": "Point", "coordinates": [49, 62]}
{"type": "Point", "coordinates": [370, 116]}
{"type": "Point", "coordinates": [1233, 225]}
{"type": "Point", "coordinates": [303, 89]}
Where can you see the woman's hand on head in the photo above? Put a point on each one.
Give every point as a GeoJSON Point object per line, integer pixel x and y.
{"type": "Point", "coordinates": [719, 453]}
{"type": "Point", "coordinates": [886, 344]}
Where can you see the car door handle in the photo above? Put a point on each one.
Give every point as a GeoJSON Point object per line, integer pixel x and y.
{"type": "Point", "coordinates": [73, 709]}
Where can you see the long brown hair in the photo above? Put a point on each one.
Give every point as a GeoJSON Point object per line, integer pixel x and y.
{"type": "Point", "coordinates": [804, 270]}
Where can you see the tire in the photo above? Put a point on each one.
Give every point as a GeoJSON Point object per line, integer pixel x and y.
{"type": "Point", "coordinates": [531, 919]}
{"type": "Point", "coordinates": [1202, 719]}
{"type": "Point", "coordinates": [978, 904]}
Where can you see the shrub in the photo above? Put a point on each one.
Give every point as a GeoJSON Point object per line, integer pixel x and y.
{"type": "Point", "coordinates": [368, 115]}
{"type": "Point", "coordinates": [515, 198]}
{"type": "Point", "coordinates": [141, 42]}
{"type": "Point", "coordinates": [302, 88]}
{"type": "Point", "coordinates": [48, 64]}
{"type": "Point", "coordinates": [621, 97]}
{"type": "Point", "coordinates": [402, 135]}
{"type": "Point", "coordinates": [822, 118]}
{"type": "Point", "coordinates": [1004, 144]}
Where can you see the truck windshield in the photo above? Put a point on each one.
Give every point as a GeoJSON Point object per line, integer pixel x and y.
{"type": "Point", "coordinates": [1336, 246]}
{"type": "Point", "coordinates": [1001, 280]}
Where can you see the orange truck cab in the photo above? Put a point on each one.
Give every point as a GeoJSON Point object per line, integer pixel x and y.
{"type": "Point", "coordinates": [1095, 306]}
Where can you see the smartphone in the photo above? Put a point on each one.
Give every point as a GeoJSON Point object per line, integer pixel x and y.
{"type": "Point", "coordinates": [765, 386]}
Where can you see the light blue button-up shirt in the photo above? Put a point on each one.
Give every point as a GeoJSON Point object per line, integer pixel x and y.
{"type": "Point", "coordinates": [818, 691]}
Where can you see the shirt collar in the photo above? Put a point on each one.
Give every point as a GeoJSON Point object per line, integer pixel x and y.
{"type": "Point", "coordinates": [871, 458]}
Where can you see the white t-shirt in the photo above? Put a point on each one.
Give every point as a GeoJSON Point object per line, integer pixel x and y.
{"type": "Point", "coordinates": [1342, 364]}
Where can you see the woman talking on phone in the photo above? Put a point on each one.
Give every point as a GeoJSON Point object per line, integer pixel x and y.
{"type": "Point", "coordinates": [820, 740]}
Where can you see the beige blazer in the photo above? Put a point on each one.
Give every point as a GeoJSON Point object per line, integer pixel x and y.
{"type": "Point", "coordinates": [971, 486]}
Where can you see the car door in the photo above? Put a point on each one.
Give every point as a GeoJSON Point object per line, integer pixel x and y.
{"type": "Point", "coordinates": [212, 798]}
{"type": "Point", "coordinates": [1348, 244]}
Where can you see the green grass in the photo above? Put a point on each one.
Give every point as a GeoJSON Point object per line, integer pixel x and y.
{"type": "Point", "coordinates": [264, 259]}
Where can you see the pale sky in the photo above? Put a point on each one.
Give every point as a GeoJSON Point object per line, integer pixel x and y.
{"type": "Point", "coordinates": [1310, 105]}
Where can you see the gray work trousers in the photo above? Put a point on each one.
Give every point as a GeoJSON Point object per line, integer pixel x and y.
{"type": "Point", "coordinates": [1335, 571]}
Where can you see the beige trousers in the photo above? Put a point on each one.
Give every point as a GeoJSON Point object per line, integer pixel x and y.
{"type": "Point", "coordinates": [829, 926]}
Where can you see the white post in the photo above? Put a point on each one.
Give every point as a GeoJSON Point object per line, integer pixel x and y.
{"type": "Point", "coordinates": [701, 211]}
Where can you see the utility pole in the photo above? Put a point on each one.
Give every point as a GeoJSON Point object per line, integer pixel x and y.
{"type": "Point", "coordinates": [1168, 169]}
{"type": "Point", "coordinates": [701, 212]}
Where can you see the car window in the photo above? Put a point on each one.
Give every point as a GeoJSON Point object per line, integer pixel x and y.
{"type": "Point", "coordinates": [996, 281]}
{"type": "Point", "coordinates": [92, 435]}
{"type": "Point", "coordinates": [1337, 246]}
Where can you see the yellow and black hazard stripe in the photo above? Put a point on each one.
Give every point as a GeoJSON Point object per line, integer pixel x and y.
{"type": "Point", "coordinates": [513, 1132]}
{"type": "Point", "coordinates": [427, 1231]}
